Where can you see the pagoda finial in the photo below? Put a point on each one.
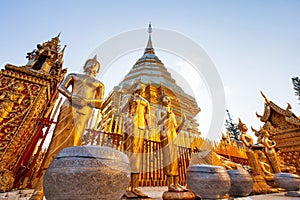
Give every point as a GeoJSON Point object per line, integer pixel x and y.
{"type": "Point", "coordinates": [149, 28]}
{"type": "Point", "coordinates": [149, 48]}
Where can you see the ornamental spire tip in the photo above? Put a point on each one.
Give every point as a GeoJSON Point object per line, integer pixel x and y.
{"type": "Point", "coordinates": [149, 28]}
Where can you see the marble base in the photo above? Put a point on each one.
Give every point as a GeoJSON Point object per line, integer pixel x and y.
{"type": "Point", "coordinates": [187, 195]}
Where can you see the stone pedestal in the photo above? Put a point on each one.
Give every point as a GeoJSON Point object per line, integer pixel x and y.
{"type": "Point", "coordinates": [186, 195]}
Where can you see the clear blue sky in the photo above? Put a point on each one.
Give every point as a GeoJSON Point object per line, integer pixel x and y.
{"type": "Point", "coordinates": [255, 45]}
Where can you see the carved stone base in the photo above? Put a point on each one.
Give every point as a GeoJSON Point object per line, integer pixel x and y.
{"type": "Point", "coordinates": [186, 195]}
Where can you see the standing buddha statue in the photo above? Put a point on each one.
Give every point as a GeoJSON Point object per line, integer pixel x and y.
{"type": "Point", "coordinates": [87, 93]}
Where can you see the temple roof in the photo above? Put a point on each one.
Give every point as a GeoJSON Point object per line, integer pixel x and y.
{"type": "Point", "coordinates": [271, 108]}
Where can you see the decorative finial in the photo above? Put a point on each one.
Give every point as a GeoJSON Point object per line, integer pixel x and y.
{"type": "Point", "coordinates": [264, 96]}
{"type": "Point", "coordinates": [256, 132]}
{"type": "Point", "coordinates": [288, 107]}
{"type": "Point", "coordinates": [95, 57]}
{"type": "Point", "coordinates": [58, 34]}
{"type": "Point", "coordinates": [149, 28]}
{"type": "Point", "coordinates": [258, 115]}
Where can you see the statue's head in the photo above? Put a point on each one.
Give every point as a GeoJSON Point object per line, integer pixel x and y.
{"type": "Point", "coordinates": [166, 100]}
{"type": "Point", "coordinates": [242, 127]}
{"type": "Point", "coordinates": [265, 133]}
{"type": "Point", "coordinates": [139, 88]}
{"type": "Point", "coordinates": [92, 66]}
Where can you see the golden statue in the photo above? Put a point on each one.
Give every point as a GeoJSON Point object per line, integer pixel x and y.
{"type": "Point", "coordinates": [228, 164]}
{"type": "Point", "coordinates": [248, 142]}
{"type": "Point", "coordinates": [266, 168]}
{"type": "Point", "coordinates": [169, 131]}
{"type": "Point", "coordinates": [138, 123]}
{"type": "Point", "coordinates": [252, 151]}
{"type": "Point", "coordinates": [87, 93]}
{"type": "Point", "coordinates": [269, 148]}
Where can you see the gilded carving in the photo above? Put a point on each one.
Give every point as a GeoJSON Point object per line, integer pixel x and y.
{"type": "Point", "coordinates": [25, 94]}
{"type": "Point", "coordinates": [6, 180]}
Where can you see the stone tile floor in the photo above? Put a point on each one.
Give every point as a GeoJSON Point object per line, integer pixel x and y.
{"type": "Point", "coordinates": [16, 195]}
{"type": "Point", "coordinates": [154, 192]}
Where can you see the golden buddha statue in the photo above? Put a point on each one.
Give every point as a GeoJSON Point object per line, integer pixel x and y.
{"type": "Point", "coordinates": [266, 168]}
{"type": "Point", "coordinates": [137, 125]}
{"type": "Point", "coordinates": [169, 131]}
{"type": "Point", "coordinates": [87, 93]}
{"type": "Point", "coordinates": [248, 142]}
{"type": "Point", "coordinates": [269, 149]}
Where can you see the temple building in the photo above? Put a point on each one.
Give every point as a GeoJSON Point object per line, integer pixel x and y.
{"type": "Point", "coordinates": [285, 130]}
{"type": "Point", "coordinates": [27, 97]}
{"type": "Point", "coordinates": [150, 71]}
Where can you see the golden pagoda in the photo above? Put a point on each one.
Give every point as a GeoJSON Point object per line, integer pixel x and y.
{"type": "Point", "coordinates": [284, 127]}
{"type": "Point", "coordinates": [27, 97]}
{"type": "Point", "coordinates": [157, 82]}
{"type": "Point", "coordinates": [150, 71]}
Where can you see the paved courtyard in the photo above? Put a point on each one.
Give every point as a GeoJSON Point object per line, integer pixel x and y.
{"type": "Point", "coordinates": [154, 192]}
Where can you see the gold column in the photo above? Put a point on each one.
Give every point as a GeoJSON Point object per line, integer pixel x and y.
{"type": "Point", "coordinates": [120, 125]}
{"type": "Point", "coordinates": [111, 123]}
{"type": "Point", "coordinates": [116, 124]}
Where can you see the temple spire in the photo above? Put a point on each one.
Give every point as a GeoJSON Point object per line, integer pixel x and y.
{"type": "Point", "coordinates": [149, 48]}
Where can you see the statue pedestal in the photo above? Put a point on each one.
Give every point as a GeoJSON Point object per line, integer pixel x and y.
{"type": "Point", "coordinates": [187, 195]}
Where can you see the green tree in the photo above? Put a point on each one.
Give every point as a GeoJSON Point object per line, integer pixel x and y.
{"type": "Point", "coordinates": [296, 84]}
{"type": "Point", "coordinates": [231, 127]}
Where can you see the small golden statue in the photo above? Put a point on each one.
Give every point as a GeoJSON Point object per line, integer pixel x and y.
{"type": "Point", "coordinates": [270, 153]}
{"type": "Point", "coordinates": [252, 150]}
{"type": "Point", "coordinates": [266, 168]}
{"type": "Point", "coordinates": [169, 131]}
{"type": "Point", "coordinates": [87, 93]}
{"type": "Point", "coordinates": [269, 149]}
{"type": "Point", "coordinates": [137, 124]}
{"type": "Point", "coordinates": [248, 142]}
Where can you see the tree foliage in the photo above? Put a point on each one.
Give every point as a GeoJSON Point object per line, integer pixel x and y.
{"type": "Point", "coordinates": [296, 84]}
{"type": "Point", "coordinates": [231, 127]}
